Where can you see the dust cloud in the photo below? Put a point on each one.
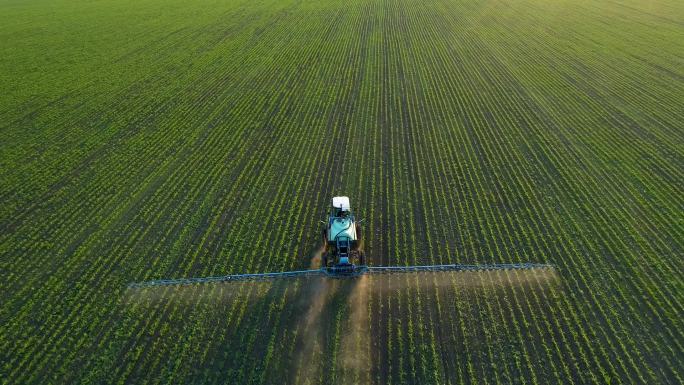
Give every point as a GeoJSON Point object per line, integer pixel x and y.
{"type": "Point", "coordinates": [316, 302]}
{"type": "Point", "coordinates": [213, 292]}
{"type": "Point", "coordinates": [192, 295]}
{"type": "Point", "coordinates": [355, 343]}
{"type": "Point", "coordinates": [464, 280]}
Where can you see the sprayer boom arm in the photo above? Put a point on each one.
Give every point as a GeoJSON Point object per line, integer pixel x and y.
{"type": "Point", "coordinates": [332, 273]}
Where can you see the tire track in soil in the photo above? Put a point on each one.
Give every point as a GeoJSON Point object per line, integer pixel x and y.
{"type": "Point", "coordinates": [355, 343]}
{"type": "Point", "coordinates": [310, 344]}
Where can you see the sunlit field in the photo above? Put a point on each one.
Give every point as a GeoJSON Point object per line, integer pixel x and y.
{"type": "Point", "coordinates": [156, 139]}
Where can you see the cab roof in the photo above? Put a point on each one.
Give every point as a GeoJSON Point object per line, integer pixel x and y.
{"type": "Point", "coordinates": [341, 203]}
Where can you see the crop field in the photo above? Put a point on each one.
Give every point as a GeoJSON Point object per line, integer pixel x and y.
{"type": "Point", "coordinates": [154, 139]}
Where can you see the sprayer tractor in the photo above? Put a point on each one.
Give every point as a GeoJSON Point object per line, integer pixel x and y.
{"type": "Point", "coordinates": [341, 236]}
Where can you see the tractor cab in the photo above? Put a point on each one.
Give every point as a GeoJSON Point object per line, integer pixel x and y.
{"type": "Point", "coordinates": [341, 226]}
{"type": "Point", "coordinates": [340, 207]}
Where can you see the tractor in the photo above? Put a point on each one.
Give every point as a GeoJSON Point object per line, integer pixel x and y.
{"type": "Point", "coordinates": [341, 236]}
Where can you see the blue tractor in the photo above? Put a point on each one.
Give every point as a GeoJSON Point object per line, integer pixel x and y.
{"type": "Point", "coordinates": [342, 240]}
